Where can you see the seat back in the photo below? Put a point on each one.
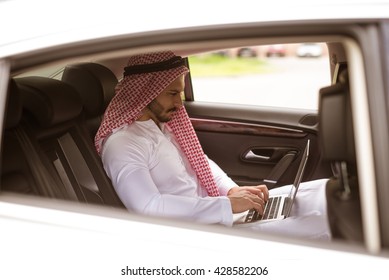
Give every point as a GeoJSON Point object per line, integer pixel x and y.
{"type": "Point", "coordinates": [15, 172]}
{"type": "Point", "coordinates": [23, 170]}
{"type": "Point", "coordinates": [56, 120]}
{"type": "Point", "coordinates": [337, 142]}
{"type": "Point", "coordinates": [96, 85]}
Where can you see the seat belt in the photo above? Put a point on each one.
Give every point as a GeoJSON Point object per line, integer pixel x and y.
{"type": "Point", "coordinates": [77, 163]}
{"type": "Point", "coordinates": [44, 180]}
{"type": "Point", "coordinates": [64, 178]}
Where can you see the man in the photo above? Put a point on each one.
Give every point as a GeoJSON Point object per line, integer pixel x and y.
{"type": "Point", "coordinates": [152, 155]}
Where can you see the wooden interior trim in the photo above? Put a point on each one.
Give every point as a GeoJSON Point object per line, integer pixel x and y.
{"type": "Point", "coordinates": [244, 128]}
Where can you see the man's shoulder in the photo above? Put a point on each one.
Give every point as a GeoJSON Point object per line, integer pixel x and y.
{"type": "Point", "coordinates": [144, 132]}
{"type": "Point", "coordinates": [126, 140]}
{"type": "Point", "coordinates": [130, 133]}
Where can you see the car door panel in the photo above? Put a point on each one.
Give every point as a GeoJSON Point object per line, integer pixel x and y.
{"type": "Point", "coordinates": [251, 148]}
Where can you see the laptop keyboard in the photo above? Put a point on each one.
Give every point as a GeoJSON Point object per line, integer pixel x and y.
{"type": "Point", "coordinates": [270, 212]}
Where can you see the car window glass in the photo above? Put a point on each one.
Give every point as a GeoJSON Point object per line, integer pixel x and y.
{"type": "Point", "coordinates": [288, 75]}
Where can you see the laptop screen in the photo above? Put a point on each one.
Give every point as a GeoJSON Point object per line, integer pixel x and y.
{"type": "Point", "coordinates": [298, 178]}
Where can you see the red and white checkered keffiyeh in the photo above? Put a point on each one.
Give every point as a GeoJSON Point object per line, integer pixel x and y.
{"type": "Point", "coordinates": [135, 92]}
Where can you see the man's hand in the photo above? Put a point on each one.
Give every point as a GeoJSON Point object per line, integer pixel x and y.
{"type": "Point", "coordinates": [245, 198]}
{"type": "Point", "coordinates": [260, 190]}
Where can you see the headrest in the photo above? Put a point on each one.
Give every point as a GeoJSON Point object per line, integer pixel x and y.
{"type": "Point", "coordinates": [49, 101]}
{"type": "Point", "coordinates": [14, 109]}
{"type": "Point", "coordinates": [95, 84]}
{"type": "Point", "coordinates": [336, 126]}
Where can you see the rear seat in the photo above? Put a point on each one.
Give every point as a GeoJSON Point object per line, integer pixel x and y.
{"type": "Point", "coordinates": [23, 170]}
{"type": "Point", "coordinates": [54, 116]}
{"type": "Point", "coordinates": [16, 175]}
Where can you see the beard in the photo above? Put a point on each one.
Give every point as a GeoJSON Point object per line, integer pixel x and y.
{"type": "Point", "coordinates": [160, 113]}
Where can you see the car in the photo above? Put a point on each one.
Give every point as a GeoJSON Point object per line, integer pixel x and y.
{"type": "Point", "coordinates": [247, 52]}
{"type": "Point", "coordinates": [60, 216]}
{"type": "Point", "coordinates": [309, 50]}
{"type": "Point", "coordinates": [276, 50]}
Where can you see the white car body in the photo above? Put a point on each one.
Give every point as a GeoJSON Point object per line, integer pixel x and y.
{"type": "Point", "coordinates": [46, 239]}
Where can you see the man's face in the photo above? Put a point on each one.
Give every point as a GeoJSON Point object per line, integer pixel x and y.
{"type": "Point", "coordinates": [162, 107]}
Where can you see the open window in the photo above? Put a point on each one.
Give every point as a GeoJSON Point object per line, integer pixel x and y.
{"type": "Point", "coordinates": [280, 76]}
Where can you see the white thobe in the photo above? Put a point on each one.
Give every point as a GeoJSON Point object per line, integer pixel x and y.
{"type": "Point", "coordinates": [151, 176]}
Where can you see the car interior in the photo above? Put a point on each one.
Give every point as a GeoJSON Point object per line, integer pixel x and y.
{"type": "Point", "coordinates": [51, 119]}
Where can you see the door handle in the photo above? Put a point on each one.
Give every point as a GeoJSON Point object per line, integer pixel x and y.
{"type": "Point", "coordinates": [266, 154]}
{"type": "Point", "coordinates": [250, 155]}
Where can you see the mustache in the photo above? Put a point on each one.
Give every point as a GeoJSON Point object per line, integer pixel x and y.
{"type": "Point", "coordinates": [174, 109]}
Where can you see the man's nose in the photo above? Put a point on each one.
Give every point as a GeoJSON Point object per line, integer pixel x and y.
{"type": "Point", "coordinates": [178, 101]}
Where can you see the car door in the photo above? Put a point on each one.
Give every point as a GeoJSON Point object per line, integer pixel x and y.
{"type": "Point", "coordinates": [257, 142]}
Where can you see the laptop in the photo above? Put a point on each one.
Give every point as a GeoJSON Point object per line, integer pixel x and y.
{"type": "Point", "coordinates": [278, 207]}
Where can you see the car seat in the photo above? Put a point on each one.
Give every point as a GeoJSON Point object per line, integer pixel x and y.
{"type": "Point", "coordinates": [23, 168]}
{"type": "Point", "coordinates": [337, 142]}
{"type": "Point", "coordinates": [56, 120]}
{"type": "Point", "coordinates": [96, 85]}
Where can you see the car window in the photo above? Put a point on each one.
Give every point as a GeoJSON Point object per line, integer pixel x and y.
{"type": "Point", "coordinates": [288, 75]}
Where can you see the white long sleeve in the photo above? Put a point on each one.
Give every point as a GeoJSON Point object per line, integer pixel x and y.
{"type": "Point", "coordinates": [223, 182]}
{"type": "Point", "coordinates": [151, 177]}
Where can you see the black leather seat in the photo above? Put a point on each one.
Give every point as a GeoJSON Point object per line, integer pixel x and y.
{"type": "Point", "coordinates": [96, 85]}
{"type": "Point", "coordinates": [55, 117]}
{"type": "Point", "coordinates": [337, 140]}
{"type": "Point", "coordinates": [16, 175]}
{"type": "Point", "coordinates": [23, 168]}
